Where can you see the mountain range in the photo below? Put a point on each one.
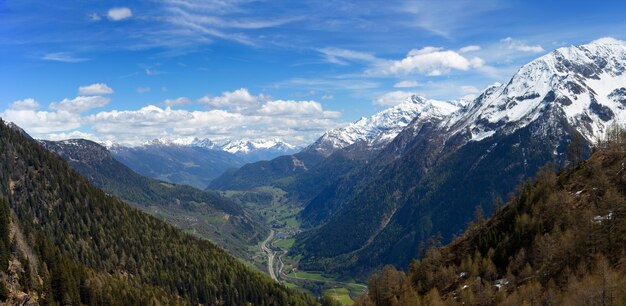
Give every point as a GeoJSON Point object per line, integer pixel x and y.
{"type": "Point", "coordinates": [401, 185]}
{"type": "Point", "coordinates": [63, 241]}
{"type": "Point", "coordinates": [194, 161]}
{"type": "Point", "coordinates": [380, 190]}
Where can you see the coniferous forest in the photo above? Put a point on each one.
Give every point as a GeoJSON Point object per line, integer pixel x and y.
{"type": "Point", "coordinates": [70, 243]}
{"type": "Point", "coordinates": [560, 240]}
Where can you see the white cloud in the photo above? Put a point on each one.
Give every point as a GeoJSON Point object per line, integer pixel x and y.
{"type": "Point", "coordinates": [290, 108]}
{"type": "Point", "coordinates": [471, 48]}
{"type": "Point", "coordinates": [119, 13]}
{"type": "Point", "coordinates": [95, 89]}
{"type": "Point", "coordinates": [245, 115]}
{"type": "Point", "coordinates": [297, 121]}
{"type": "Point", "coordinates": [343, 56]}
{"type": "Point", "coordinates": [239, 99]}
{"type": "Point", "coordinates": [177, 101]}
{"type": "Point", "coordinates": [26, 104]}
{"type": "Point", "coordinates": [521, 46]}
{"type": "Point", "coordinates": [80, 104]}
{"type": "Point", "coordinates": [71, 135]}
{"type": "Point", "coordinates": [406, 84]}
{"type": "Point", "coordinates": [392, 98]}
{"type": "Point", "coordinates": [63, 57]}
{"type": "Point", "coordinates": [431, 61]}
{"type": "Point", "coordinates": [24, 114]}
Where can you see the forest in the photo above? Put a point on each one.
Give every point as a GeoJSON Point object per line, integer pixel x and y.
{"type": "Point", "coordinates": [559, 240]}
{"type": "Point", "coordinates": [70, 243]}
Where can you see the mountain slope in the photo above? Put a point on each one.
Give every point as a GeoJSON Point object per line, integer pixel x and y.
{"type": "Point", "coordinates": [360, 140]}
{"type": "Point", "coordinates": [206, 214]}
{"type": "Point", "coordinates": [379, 129]}
{"type": "Point", "coordinates": [265, 172]}
{"type": "Point", "coordinates": [180, 164]}
{"type": "Point", "coordinates": [430, 179]}
{"type": "Point", "coordinates": [558, 241]}
{"type": "Point", "coordinates": [75, 228]}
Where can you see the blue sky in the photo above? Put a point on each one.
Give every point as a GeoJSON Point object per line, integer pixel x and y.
{"type": "Point", "coordinates": [130, 71]}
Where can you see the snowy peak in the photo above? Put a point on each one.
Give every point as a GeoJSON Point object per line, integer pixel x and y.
{"type": "Point", "coordinates": [242, 146]}
{"type": "Point", "coordinates": [584, 84]}
{"type": "Point", "coordinates": [382, 127]}
{"type": "Point", "coordinates": [246, 146]}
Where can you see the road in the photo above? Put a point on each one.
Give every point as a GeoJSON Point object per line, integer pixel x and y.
{"type": "Point", "coordinates": [270, 255]}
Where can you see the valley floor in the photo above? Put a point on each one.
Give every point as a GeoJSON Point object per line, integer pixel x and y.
{"type": "Point", "coordinates": [272, 255]}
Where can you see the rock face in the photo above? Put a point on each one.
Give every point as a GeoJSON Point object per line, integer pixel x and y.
{"type": "Point", "coordinates": [431, 177]}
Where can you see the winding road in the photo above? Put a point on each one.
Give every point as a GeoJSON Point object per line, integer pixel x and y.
{"type": "Point", "coordinates": [270, 255]}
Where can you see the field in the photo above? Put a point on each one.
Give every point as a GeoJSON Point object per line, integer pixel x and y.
{"type": "Point", "coordinates": [340, 294]}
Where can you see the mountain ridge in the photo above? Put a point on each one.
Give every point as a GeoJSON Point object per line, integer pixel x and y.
{"type": "Point", "coordinates": [205, 213]}
{"type": "Point", "coordinates": [433, 175]}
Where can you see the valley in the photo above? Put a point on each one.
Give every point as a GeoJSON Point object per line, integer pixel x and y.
{"type": "Point", "coordinates": [272, 254]}
{"type": "Point", "coordinates": [313, 153]}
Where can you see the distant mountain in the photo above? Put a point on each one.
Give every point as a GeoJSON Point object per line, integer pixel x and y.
{"type": "Point", "coordinates": [361, 139]}
{"type": "Point", "coordinates": [63, 241]}
{"type": "Point", "coordinates": [381, 128]}
{"type": "Point", "coordinates": [259, 149]}
{"type": "Point", "coordinates": [206, 214]}
{"type": "Point", "coordinates": [180, 164]}
{"type": "Point", "coordinates": [433, 175]}
{"type": "Point", "coordinates": [196, 162]}
{"type": "Point", "coordinates": [266, 172]}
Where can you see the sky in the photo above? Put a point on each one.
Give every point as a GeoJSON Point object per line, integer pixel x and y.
{"type": "Point", "coordinates": [132, 71]}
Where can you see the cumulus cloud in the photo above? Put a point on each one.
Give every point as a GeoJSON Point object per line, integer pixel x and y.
{"type": "Point", "coordinates": [177, 101]}
{"type": "Point", "coordinates": [119, 13]}
{"type": "Point", "coordinates": [406, 84]}
{"type": "Point", "coordinates": [295, 109]}
{"type": "Point", "coordinates": [286, 119]}
{"type": "Point", "coordinates": [72, 135]}
{"type": "Point", "coordinates": [26, 104]}
{"type": "Point", "coordinates": [238, 114]}
{"type": "Point", "coordinates": [392, 98]}
{"type": "Point", "coordinates": [25, 114]}
{"type": "Point", "coordinates": [239, 99]}
{"type": "Point", "coordinates": [521, 46]}
{"type": "Point", "coordinates": [95, 89]}
{"type": "Point", "coordinates": [431, 61]}
{"type": "Point", "coordinates": [80, 104]}
{"type": "Point", "coordinates": [471, 48]}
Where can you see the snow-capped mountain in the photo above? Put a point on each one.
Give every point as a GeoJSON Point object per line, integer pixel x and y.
{"type": "Point", "coordinates": [246, 146]}
{"type": "Point", "coordinates": [434, 173]}
{"type": "Point", "coordinates": [381, 128]}
{"type": "Point", "coordinates": [585, 85]}
{"type": "Point", "coordinates": [243, 146]}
